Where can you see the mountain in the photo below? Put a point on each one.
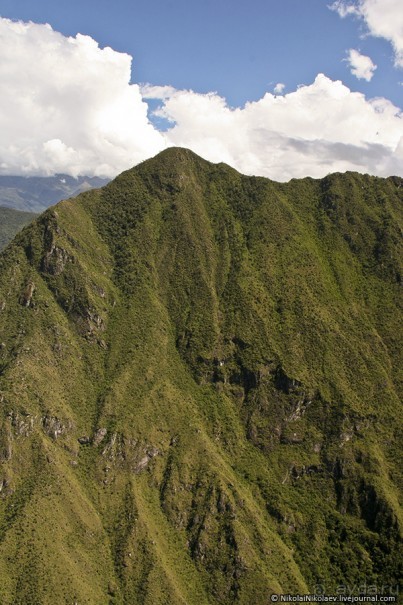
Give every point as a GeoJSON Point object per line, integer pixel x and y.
{"type": "Point", "coordinates": [200, 390]}
{"type": "Point", "coordinates": [36, 193]}
{"type": "Point", "coordinates": [12, 221]}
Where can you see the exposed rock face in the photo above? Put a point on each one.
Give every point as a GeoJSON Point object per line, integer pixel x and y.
{"type": "Point", "coordinates": [55, 427]}
{"type": "Point", "coordinates": [149, 454]}
{"type": "Point", "coordinates": [99, 436]}
{"type": "Point", "coordinates": [84, 440]}
{"type": "Point", "coordinates": [26, 297]}
{"type": "Point", "coordinates": [55, 260]}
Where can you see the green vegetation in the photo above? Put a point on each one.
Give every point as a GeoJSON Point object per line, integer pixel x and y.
{"type": "Point", "coordinates": [199, 389]}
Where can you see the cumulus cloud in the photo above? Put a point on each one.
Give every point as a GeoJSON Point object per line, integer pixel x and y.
{"type": "Point", "coordinates": [319, 128]}
{"type": "Point", "coordinates": [344, 9]}
{"type": "Point", "coordinates": [279, 88]}
{"type": "Point", "coordinates": [66, 105]}
{"type": "Point", "coordinates": [361, 66]}
{"type": "Point", "coordinates": [149, 91]}
{"type": "Point", "coordinates": [384, 19]}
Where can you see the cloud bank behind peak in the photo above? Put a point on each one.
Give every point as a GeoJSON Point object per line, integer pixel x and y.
{"type": "Point", "coordinates": [69, 106]}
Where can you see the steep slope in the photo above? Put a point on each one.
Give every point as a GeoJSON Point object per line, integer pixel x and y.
{"type": "Point", "coordinates": [199, 389]}
{"type": "Point", "coordinates": [11, 221]}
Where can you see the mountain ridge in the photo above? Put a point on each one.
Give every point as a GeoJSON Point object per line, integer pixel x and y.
{"type": "Point", "coordinates": [199, 382]}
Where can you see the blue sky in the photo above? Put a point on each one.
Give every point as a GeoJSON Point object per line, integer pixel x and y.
{"type": "Point", "coordinates": [236, 48]}
{"type": "Point", "coordinates": [240, 51]}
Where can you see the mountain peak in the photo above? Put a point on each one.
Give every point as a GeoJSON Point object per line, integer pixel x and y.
{"type": "Point", "coordinates": [174, 159]}
{"type": "Point", "coordinates": [180, 154]}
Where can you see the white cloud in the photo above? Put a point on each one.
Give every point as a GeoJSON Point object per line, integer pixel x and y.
{"type": "Point", "coordinates": [320, 128]}
{"type": "Point", "coordinates": [361, 66]}
{"type": "Point", "coordinates": [384, 19]}
{"type": "Point", "coordinates": [67, 106]}
{"type": "Point", "coordinates": [344, 9]}
{"type": "Point", "coordinates": [279, 88]}
{"type": "Point", "coordinates": [149, 91]}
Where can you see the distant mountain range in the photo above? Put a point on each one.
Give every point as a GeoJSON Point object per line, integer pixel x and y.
{"type": "Point", "coordinates": [11, 221]}
{"type": "Point", "coordinates": [36, 193]}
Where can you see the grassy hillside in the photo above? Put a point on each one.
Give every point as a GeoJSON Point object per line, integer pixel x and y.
{"type": "Point", "coordinates": [199, 388]}
{"type": "Point", "coordinates": [11, 221]}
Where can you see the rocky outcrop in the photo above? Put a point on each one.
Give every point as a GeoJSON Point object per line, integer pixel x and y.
{"type": "Point", "coordinates": [99, 436]}
{"type": "Point", "coordinates": [22, 425]}
{"type": "Point", "coordinates": [26, 296]}
{"type": "Point", "coordinates": [149, 454]}
{"type": "Point", "coordinates": [55, 260]}
{"type": "Point", "coordinates": [55, 427]}
{"type": "Point", "coordinates": [125, 452]}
